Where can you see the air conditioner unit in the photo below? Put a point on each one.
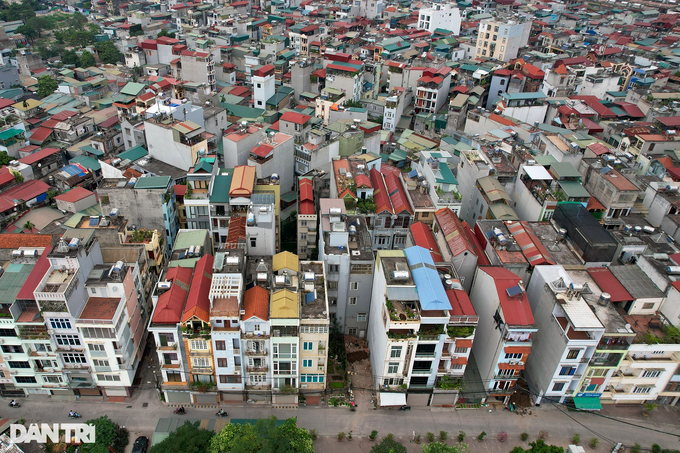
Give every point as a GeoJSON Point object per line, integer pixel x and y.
{"type": "Point", "coordinates": [12, 371]}
{"type": "Point", "coordinates": [277, 333]}
{"type": "Point", "coordinates": [49, 370]}
{"type": "Point", "coordinates": [520, 363]}
{"type": "Point", "coordinates": [2, 341]}
{"type": "Point", "coordinates": [303, 386]}
{"type": "Point", "coordinates": [8, 357]}
{"type": "Point", "coordinates": [50, 331]}
{"type": "Point", "coordinates": [513, 362]}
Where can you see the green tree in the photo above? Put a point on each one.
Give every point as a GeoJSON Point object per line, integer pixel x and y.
{"type": "Point", "coordinates": [86, 60]}
{"type": "Point", "coordinates": [187, 438]}
{"type": "Point", "coordinates": [28, 226]}
{"type": "Point", "coordinates": [437, 447]}
{"type": "Point", "coordinates": [69, 57]}
{"type": "Point", "coordinates": [539, 446]}
{"type": "Point", "coordinates": [389, 445]}
{"type": "Point", "coordinates": [164, 32]}
{"type": "Point", "coordinates": [107, 434]}
{"type": "Point", "coordinates": [5, 158]}
{"type": "Point", "coordinates": [263, 436]}
{"type": "Point", "coordinates": [46, 86]}
{"type": "Point", "coordinates": [108, 53]}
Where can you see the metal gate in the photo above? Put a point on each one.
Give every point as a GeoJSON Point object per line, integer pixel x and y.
{"type": "Point", "coordinates": [174, 396]}
{"type": "Point", "coordinates": [418, 399]}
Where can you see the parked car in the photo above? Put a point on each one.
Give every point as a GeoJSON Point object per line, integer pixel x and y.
{"type": "Point", "coordinates": [141, 444]}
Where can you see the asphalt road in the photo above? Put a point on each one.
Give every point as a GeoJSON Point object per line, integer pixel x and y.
{"type": "Point", "coordinates": [560, 424]}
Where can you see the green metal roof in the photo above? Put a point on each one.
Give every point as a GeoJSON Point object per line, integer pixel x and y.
{"type": "Point", "coordinates": [565, 170]}
{"type": "Point", "coordinates": [447, 175]}
{"type": "Point", "coordinates": [523, 96]}
{"type": "Point", "coordinates": [546, 159]}
{"type": "Point", "coordinates": [132, 89]}
{"type": "Point", "coordinates": [398, 155]}
{"type": "Point", "coordinates": [469, 67]}
{"type": "Point", "coordinates": [289, 197]}
{"type": "Point", "coordinates": [220, 188]}
{"type": "Point", "coordinates": [203, 166]}
{"type": "Point", "coordinates": [573, 189]}
{"type": "Point", "coordinates": [187, 238]}
{"type": "Point", "coordinates": [153, 182]}
{"type": "Point", "coordinates": [87, 162]}
{"type": "Point", "coordinates": [242, 111]}
{"type": "Point", "coordinates": [92, 150]}
{"type": "Point", "coordinates": [133, 154]}
{"type": "Point", "coordinates": [10, 133]}
{"type": "Point", "coordinates": [12, 280]}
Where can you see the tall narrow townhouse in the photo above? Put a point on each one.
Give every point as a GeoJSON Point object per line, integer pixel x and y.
{"type": "Point", "coordinates": [29, 362]}
{"type": "Point", "coordinates": [306, 218]}
{"type": "Point", "coordinates": [284, 315]}
{"type": "Point", "coordinates": [113, 327]}
{"type": "Point", "coordinates": [225, 305]}
{"type": "Point", "coordinates": [569, 331]}
{"type": "Point", "coordinates": [61, 296]}
{"type": "Point", "coordinates": [506, 326]}
{"type": "Point", "coordinates": [255, 343]}
{"type": "Point", "coordinates": [314, 327]}
{"type": "Point", "coordinates": [413, 329]}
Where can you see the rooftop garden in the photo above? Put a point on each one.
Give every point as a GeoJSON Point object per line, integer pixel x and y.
{"type": "Point", "coordinates": [668, 335]}
{"type": "Point", "coordinates": [460, 331]}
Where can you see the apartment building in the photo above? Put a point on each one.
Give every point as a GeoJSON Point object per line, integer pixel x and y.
{"type": "Point", "coordinates": [346, 77]}
{"type": "Point", "coordinates": [199, 67]}
{"type": "Point", "coordinates": [446, 16]}
{"type": "Point", "coordinates": [345, 247]}
{"type": "Point", "coordinates": [306, 218]}
{"type": "Point", "coordinates": [504, 334]}
{"type": "Point", "coordinates": [440, 181]}
{"type": "Point", "coordinates": [394, 107]}
{"type": "Point", "coordinates": [174, 142]}
{"type": "Point", "coordinates": [614, 191]}
{"type": "Point", "coordinates": [255, 336]}
{"type": "Point", "coordinates": [413, 341]}
{"type": "Point", "coordinates": [263, 85]}
{"type": "Point", "coordinates": [570, 334]}
{"type": "Point", "coordinates": [274, 157]}
{"type": "Point", "coordinates": [432, 90]}
{"type": "Point", "coordinates": [501, 40]}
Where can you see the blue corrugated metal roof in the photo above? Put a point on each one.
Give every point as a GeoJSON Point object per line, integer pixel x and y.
{"type": "Point", "coordinates": [429, 286]}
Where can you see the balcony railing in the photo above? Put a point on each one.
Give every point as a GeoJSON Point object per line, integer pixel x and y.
{"type": "Point", "coordinates": [256, 352]}
{"type": "Point", "coordinates": [419, 371]}
{"type": "Point", "coordinates": [257, 369]}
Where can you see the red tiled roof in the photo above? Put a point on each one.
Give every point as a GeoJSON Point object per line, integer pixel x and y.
{"type": "Point", "coordinates": [62, 116]}
{"type": "Point", "coordinates": [198, 304]}
{"type": "Point", "coordinates": [256, 303]}
{"type": "Point", "coordinates": [306, 190]}
{"type": "Point", "coordinates": [145, 97]}
{"type": "Point", "coordinates": [294, 117]}
{"type": "Point", "coordinates": [532, 247]}
{"type": "Point", "coordinates": [362, 180]}
{"type": "Point", "coordinates": [6, 176]}
{"type": "Point", "coordinates": [11, 241]}
{"type": "Point", "coordinates": [73, 195]}
{"type": "Point", "coordinates": [109, 122]}
{"type": "Point", "coordinates": [237, 230]}
{"type": "Point", "coordinates": [382, 200]}
{"type": "Point", "coordinates": [395, 190]}
{"type": "Point", "coordinates": [40, 135]}
{"type": "Point", "coordinates": [599, 149]}
{"type": "Point", "coordinates": [460, 303]}
{"type": "Point", "coordinates": [41, 266]}
{"type": "Point", "coordinates": [453, 232]}
{"type": "Point", "coordinates": [482, 259]}
{"type": "Point", "coordinates": [38, 155]}
{"type": "Point", "coordinates": [171, 303]}
{"type": "Point", "coordinates": [262, 150]}
{"type": "Point", "coordinates": [25, 192]}
{"type": "Point", "coordinates": [4, 103]}
{"type": "Point", "coordinates": [516, 310]}
{"type": "Point", "coordinates": [595, 205]}
{"type": "Point", "coordinates": [180, 189]}
{"type": "Point", "coordinates": [423, 237]}
{"type": "Point", "coordinates": [669, 121]}
{"type": "Point", "coordinates": [610, 284]}
{"type": "Point", "coordinates": [631, 110]}
{"type": "Point", "coordinates": [239, 91]}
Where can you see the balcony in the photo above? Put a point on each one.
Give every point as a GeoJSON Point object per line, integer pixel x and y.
{"type": "Point", "coordinates": [200, 353]}
{"type": "Point", "coordinates": [32, 333]}
{"type": "Point", "coordinates": [256, 352]}
{"type": "Point", "coordinates": [98, 354]}
{"type": "Point", "coordinates": [400, 313]}
{"type": "Point", "coordinates": [58, 286]}
{"type": "Point", "coordinates": [287, 331]}
{"type": "Point", "coordinates": [419, 371]}
{"type": "Point", "coordinates": [257, 369]}
{"type": "Point", "coordinates": [202, 370]}
{"type": "Point", "coordinates": [170, 347]}
{"type": "Point", "coordinates": [254, 335]}
{"type": "Point", "coordinates": [503, 377]}
{"type": "Point", "coordinates": [258, 386]}
{"type": "Point", "coordinates": [426, 354]}
{"type": "Point", "coordinates": [613, 345]}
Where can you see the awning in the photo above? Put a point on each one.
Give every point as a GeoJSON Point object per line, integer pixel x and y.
{"type": "Point", "coordinates": [392, 399]}
{"type": "Point", "coordinates": [587, 403]}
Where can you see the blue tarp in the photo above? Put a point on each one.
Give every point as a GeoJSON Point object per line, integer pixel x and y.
{"type": "Point", "coordinates": [428, 284]}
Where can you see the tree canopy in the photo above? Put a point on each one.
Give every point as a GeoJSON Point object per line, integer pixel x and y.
{"type": "Point", "coordinates": [164, 32]}
{"type": "Point", "coordinates": [5, 158]}
{"type": "Point", "coordinates": [188, 438]}
{"type": "Point", "coordinates": [264, 436]}
{"type": "Point", "coordinates": [108, 53]}
{"type": "Point", "coordinates": [437, 447]}
{"type": "Point", "coordinates": [86, 60]}
{"type": "Point", "coordinates": [70, 57]}
{"type": "Point", "coordinates": [539, 446]}
{"type": "Point", "coordinates": [107, 434]}
{"type": "Point", "coordinates": [46, 86]}
{"type": "Point", "coordinates": [389, 445]}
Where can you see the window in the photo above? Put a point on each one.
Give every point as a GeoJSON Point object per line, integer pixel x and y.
{"type": "Point", "coordinates": [651, 373]}
{"type": "Point", "coordinates": [201, 362]}
{"type": "Point", "coordinates": [73, 358]}
{"type": "Point", "coordinates": [352, 300]}
{"type": "Point", "coordinates": [352, 331]}
{"type": "Point", "coordinates": [332, 285]}
{"type": "Point", "coordinates": [108, 377]}
{"type": "Point", "coordinates": [174, 376]}
{"type": "Point", "coordinates": [8, 333]}
{"type": "Point", "coordinates": [222, 362]}
{"type": "Point", "coordinates": [573, 354]}
{"type": "Point", "coordinates": [381, 240]}
{"type": "Point", "coordinates": [60, 323]}
{"type": "Point", "coordinates": [311, 378]}
{"type": "Point", "coordinates": [307, 346]}
{"type": "Point", "coordinates": [259, 85]}
{"type": "Point", "coordinates": [25, 380]}
{"type": "Point", "coordinates": [230, 379]}
{"type": "Point", "coordinates": [642, 389]}
{"type": "Point", "coordinates": [516, 355]}
{"type": "Point", "coordinates": [220, 345]}
{"type": "Point", "coordinates": [68, 340]}
{"type": "Point", "coordinates": [199, 344]}
{"type": "Point", "coordinates": [648, 305]}
{"type": "Point", "coordinates": [558, 386]}
{"type": "Point", "coordinates": [393, 368]}
{"type": "Point", "coordinates": [461, 350]}
{"type": "Point", "coordinates": [395, 352]}
{"type": "Point", "coordinates": [333, 268]}
{"type": "Point", "coordinates": [253, 242]}
{"type": "Point", "coordinates": [361, 317]}
{"type": "Point", "coordinates": [567, 371]}
{"type": "Point", "coordinates": [97, 332]}
{"type": "Point", "coordinates": [95, 347]}
{"type": "Point", "coordinates": [307, 363]}
{"type": "Point", "coordinates": [98, 362]}
{"type": "Point", "coordinates": [52, 379]}
{"type": "Point", "coordinates": [19, 364]}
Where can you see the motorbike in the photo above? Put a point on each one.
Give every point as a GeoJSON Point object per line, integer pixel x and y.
{"type": "Point", "coordinates": [180, 411]}
{"type": "Point", "coordinates": [76, 415]}
{"type": "Point", "coordinates": [222, 414]}
{"type": "Point", "coordinates": [15, 405]}
{"type": "Point", "coordinates": [405, 408]}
